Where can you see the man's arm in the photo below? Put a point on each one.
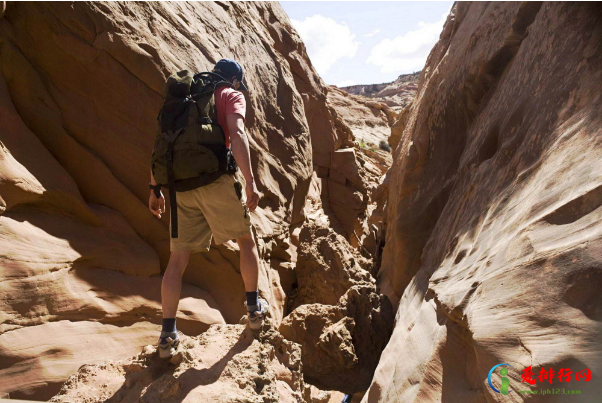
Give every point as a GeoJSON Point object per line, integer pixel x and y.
{"type": "Point", "coordinates": [240, 149]}
{"type": "Point", "coordinates": [156, 205]}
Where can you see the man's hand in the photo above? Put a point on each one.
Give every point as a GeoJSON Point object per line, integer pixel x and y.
{"type": "Point", "coordinates": [252, 196]}
{"type": "Point", "coordinates": [156, 205]}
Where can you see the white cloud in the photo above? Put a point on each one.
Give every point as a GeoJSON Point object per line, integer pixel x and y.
{"type": "Point", "coordinates": [326, 41]}
{"type": "Point", "coordinates": [376, 31]}
{"type": "Point", "coordinates": [346, 83]}
{"type": "Point", "coordinates": [408, 52]}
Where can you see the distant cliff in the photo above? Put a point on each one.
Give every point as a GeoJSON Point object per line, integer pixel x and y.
{"type": "Point", "coordinates": [396, 94]}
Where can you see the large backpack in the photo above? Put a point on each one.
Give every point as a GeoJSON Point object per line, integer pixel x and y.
{"type": "Point", "coordinates": [190, 147]}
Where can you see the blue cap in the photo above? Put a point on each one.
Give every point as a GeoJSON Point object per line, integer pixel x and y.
{"type": "Point", "coordinates": [231, 69]}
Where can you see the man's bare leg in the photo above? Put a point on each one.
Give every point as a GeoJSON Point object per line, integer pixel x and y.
{"type": "Point", "coordinates": [172, 282]}
{"type": "Point", "coordinates": [249, 261]}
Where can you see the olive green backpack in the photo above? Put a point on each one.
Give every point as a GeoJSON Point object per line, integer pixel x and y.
{"type": "Point", "coordinates": [190, 147]}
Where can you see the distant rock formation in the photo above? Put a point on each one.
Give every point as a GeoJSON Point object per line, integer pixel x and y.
{"type": "Point", "coordinates": [397, 94]}
{"type": "Point", "coordinates": [494, 219]}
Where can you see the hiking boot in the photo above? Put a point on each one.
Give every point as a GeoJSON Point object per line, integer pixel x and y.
{"type": "Point", "coordinates": [168, 344]}
{"type": "Point", "coordinates": [256, 313]}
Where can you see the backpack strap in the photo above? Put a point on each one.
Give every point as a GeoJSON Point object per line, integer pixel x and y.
{"type": "Point", "coordinates": [216, 79]}
{"type": "Point", "coordinates": [171, 136]}
{"type": "Point", "coordinates": [211, 74]}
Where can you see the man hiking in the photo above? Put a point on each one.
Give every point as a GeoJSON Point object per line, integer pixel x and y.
{"type": "Point", "coordinates": [217, 209]}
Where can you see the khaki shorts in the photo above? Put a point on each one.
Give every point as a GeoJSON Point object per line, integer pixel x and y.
{"type": "Point", "coordinates": [211, 210]}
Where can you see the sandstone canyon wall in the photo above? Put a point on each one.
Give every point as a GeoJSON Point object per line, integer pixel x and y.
{"type": "Point", "coordinates": [494, 237]}
{"type": "Point", "coordinates": [80, 88]}
{"type": "Point", "coordinates": [491, 210]}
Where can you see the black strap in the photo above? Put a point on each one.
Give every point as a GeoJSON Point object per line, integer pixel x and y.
{"type": "Point", "coordinates": [216, 79]}
{"type": "Point", "coordinates": [184, 185]}
{"type": "Point", "coordinates": [156, 190]}
{"type": "Point", "coordinates": [171, 182]}
{"type": "Point", "coordinates": [210, 74]}
{"type": "Point", "coordinates": [171, 136]}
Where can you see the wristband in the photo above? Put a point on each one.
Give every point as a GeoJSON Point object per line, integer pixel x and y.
{"type": "Point", "coordinates": [156, 189]}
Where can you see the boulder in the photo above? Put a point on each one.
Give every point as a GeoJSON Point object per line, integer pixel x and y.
{"type": "Point", "coordinates": [327, 266]}
{"type": "Point", "coordinates": [344, 163]}
{"type": "Point", "coordinates": [341, 344]}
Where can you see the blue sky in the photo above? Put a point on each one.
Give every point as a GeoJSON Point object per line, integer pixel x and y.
{"type": "Point", "coordinates": [367, 42]}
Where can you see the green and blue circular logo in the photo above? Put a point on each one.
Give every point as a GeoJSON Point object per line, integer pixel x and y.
{"type": "Point", "coordinates": [505, 381]}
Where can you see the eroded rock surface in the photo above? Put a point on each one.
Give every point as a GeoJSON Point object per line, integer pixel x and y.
{"type": "Point", "coordinates": [225, 364]}
{"type": "Point", "coordinates": [80, 88]}
{"type": "Point", "coordinates": [351, 184]}
{"type": "Point", "coordinates": [494, 238]}
{"type": "Point", "coordinates": [341, 344]}
{"type": "Point", "coordinates": [368, 120]}
{"type": "Point", "coordinates": [327, 266]}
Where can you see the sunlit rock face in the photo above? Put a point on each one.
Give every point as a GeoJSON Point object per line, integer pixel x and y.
{"type": "Point", "coordinates": [494, 237]}
{"type": "Point", "coordinates": [225, 364]}
{"type": "Point", "coordinates": [80, 88]}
